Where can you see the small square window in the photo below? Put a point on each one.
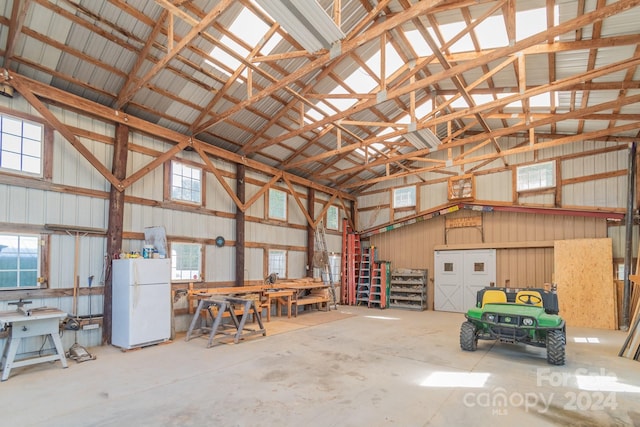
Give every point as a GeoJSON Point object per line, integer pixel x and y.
{"type": "Point", "coordinates": [404, 197]}
{"type": "Point", "coordinates": [19, 261]}
{"type": "Point", "coordinates": [332, 217]}
{"type": "Point", "coordinates": [186, 183]}
{"type": "Point", "coordinates": [478, 267]}
{"type": "Point", "coordinates": [277, 204]}
{"type": "Point", "coordinates": [21, 145]}
{"type": "Point", "coordinates": [186, 261]}
{"type": "Point", "coordinates": [278, 263]}
{"type": "Point", "coordinates": [536, 177]}
{"type": "Point", "coordinates": [448, 267]}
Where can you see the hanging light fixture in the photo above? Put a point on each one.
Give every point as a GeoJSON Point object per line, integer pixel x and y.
{"type": "Point", "coordinates": [305, 21]}
{"type": "Point", "coordinates": [421, 138]}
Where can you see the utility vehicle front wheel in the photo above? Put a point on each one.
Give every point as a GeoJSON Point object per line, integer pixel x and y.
{"type": "Point", "coordinates": [468, 337]}
{"type": "Point", "coordinates": [555, 347]}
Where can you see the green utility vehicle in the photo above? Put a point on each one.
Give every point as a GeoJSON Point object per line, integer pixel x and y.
{"type": "Point", "coordinates": [528, 316]}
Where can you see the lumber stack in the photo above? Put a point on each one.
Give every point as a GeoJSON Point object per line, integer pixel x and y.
{"type": "Point", "coordinates": [631, 347]}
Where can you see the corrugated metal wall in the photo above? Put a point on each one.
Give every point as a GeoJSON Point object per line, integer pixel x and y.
{"type": "Point", "coordinates": [594, 181]}
{"type": "Point", "coordinates": [34, 207]}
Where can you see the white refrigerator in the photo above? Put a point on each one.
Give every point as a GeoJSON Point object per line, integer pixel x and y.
{"type": "Point", "coordinates": [141, 304]}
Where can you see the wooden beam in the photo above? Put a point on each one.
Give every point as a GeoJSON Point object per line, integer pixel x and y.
{"type": "Point", "coordinates": [115, 222]}
{"type": "Point", "coordinates": [508, 152]}
{"type": "Point", "coordinates": [155, 163]}
{"type": "Point", "coordinates": [25, 90]}
{"type": "Point", "coordinates": [459, 68]}
{"type": "Point", "coordinates": [496, 245]}
{"type": "Point", "coordinates": [347, 46]}
{"type": "Point", "coordinates": [216, 11]}
{"type": "Point", "coordinates": [18, 14]}
{"type": "Point", "coordinates": [77, 103]}
{"type": "Point", "coordinates": [241, 188]}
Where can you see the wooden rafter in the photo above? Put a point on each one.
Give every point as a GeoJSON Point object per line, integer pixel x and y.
{"type": "Point", "coordinates": [126, 96]}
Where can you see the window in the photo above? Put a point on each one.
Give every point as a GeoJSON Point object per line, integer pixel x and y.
{"type": "Point", "coordinates": [20, 145]}
{"type": "Point", "coordinates": [404, 197]}
{"type": "Point", "coordinates": [186, 183]}
{"type": "Point", "coordinates": [277, 204]}
{"type": "Point", "coordinates": [19, 261]}
{"type": "Point", "coordinates": [278, 262]}
{"type": "Point", "coordinates": [186, 260]}
{"type": "Point", "coordinates": [537, 176]}
{"type": "Point", "coordinates": [333, 217]}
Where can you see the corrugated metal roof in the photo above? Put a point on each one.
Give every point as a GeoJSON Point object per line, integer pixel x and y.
{"type": "Point", "coordinates": [90, 48]}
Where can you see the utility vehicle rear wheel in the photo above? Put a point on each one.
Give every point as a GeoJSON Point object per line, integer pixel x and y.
{"type": "Point", "coordinates": [555, 347]}
{"type": "Point", "coordinates": [468, 337]}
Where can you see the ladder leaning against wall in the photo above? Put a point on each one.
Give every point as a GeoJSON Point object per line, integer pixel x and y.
{"type": "Point", "coordinates": [322, 261]}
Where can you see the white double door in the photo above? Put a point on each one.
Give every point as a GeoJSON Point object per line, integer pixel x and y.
{"type": "Point", "coordinates": [459, 275]}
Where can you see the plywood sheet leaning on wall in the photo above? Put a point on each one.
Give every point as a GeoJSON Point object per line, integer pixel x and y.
{"type": "Point", "coordinates": [583, 272]}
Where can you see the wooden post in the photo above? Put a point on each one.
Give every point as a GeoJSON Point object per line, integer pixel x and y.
{"type": "Point", "coordinates": [311, 232]}
{"type": "Point", "coordinates": [116, 221]}
{"type": "Point", "coordinates": [240, 219]}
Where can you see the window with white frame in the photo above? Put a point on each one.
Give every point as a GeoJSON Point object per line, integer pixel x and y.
{"type": "Point", "coordinates": [277, 204]}
{"type": "Point", "coordinates": [21, 145]}
{"type": "Point", "coordinates": [404, 197]}
{"type": "Point", "coordinates": [19, 261]}
{"type": "Point", "coordinates": [186, 261]}
{"type": "Point", "coordinates": [186, 183]}
{"type": "Point", "coordinates": [537, 176]}
{"type": "Point", "coordinates": [278, 262]}
{"type": "Point", "coordinates": [333, 220]}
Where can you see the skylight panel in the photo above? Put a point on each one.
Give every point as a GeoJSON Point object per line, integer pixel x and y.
{"type": "Point", "coordinates": [342, 103]}
{"type": "Point", "coordinates": [377, 145]}
{"type": "Point", "coordinates": [423, 109]}
{"type": "Point", "coordinates": [222, 56]}
{"type": "Point", "coordinates": [480, 99]}
{"type": "Point", "coordinates": [449, 31]}
{"type": "Point", "coordinates": [458, 103]}
{"type": "Point", "coordinates": [317, 113]}
{"type": "Point", "coordinates": [250, 29]}
{"type": "Point", "coordinates": [542, 101]}
{"type": "Point", "coordinates": [491, 33]}
{"type": "Point", "coordinates": [392, 60]}
{"type": "Point", "coordinates": [360, 81]}
{"type": "Point", "coordinates": [418, 43]}
{"type": "Point", "coordinates": [533, 21]}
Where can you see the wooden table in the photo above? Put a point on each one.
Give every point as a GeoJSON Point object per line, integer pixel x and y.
{"type": "Point", "coordinates": [39, 322]}
{"type": "Point", "coordinates": [281, 297]}
{"type": "Point", "coordinates": [300, 300]}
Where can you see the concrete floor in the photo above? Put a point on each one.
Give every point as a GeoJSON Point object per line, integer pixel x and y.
{"type": "Point", "coordinates": [350, 367]}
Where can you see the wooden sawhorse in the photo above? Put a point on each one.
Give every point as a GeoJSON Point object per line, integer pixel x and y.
{"type": "Point", "coordinates": [225, 304]}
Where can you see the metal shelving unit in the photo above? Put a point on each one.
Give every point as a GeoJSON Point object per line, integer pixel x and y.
{"type": "Point", "coordinates": [408, 289]}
